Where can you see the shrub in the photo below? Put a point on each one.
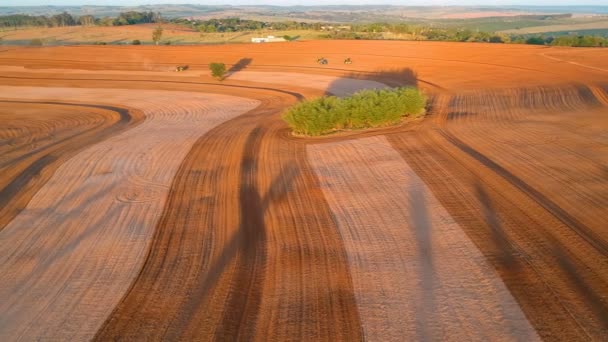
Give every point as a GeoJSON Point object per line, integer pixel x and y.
{"type": "Point", "coordinates": [364, 109]}
{"type": "Point", "coordinates": [136, 42]}
{"type": "Point", "coordinates": [218, 70]}
{"type": "Point", "coordinates": [157, 34]}
{"type": "Point", "coordinates": [580, 41]}
{"type": "Point", "coordinates": [535, 41]}
{"type": "Point", "coordinates": [496, 39]}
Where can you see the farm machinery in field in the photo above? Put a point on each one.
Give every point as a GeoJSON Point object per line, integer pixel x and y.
{"type": "Point", "coordinates": [181, 68]}
{"type": "Point", "coordinates": [324, 61]}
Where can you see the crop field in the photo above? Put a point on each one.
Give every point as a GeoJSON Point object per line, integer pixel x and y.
{"type": "Point", "coordinates": [140, 203]}
{"type": "Point", "coordinates": [573, 27]}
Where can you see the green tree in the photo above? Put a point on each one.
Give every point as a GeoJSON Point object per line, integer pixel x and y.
{"type": "Point", "coordinates": [218, 70]}
{"type": "Point", "coordinates": [535, 41]}
{"type": "Point", "coordinates": [63, 19]}
{"type": "Point", "coordinates": [157, 35]}
{"type": "Point", "coordinates": [496, 39]}
{"type": "Point", "coordinates": [106, 21]}
{"type": "Point", "coordinates": [87, 20]}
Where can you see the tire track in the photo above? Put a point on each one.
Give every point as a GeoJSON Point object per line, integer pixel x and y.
{"type": "Point", "coordinates": [579, 227]}
{"type": "Point", "coordinates": [600, 94]}
{"type": "Point", "coordinates": [553, 273]}
{"type": "Point", "coordinates": [232, 286]}
{"type": "Point", "coordinates": [582, 230]}
{"type": "Point", "coordinates": [515, 236]}
{"type": "Point", "coordinates": [216, 271]}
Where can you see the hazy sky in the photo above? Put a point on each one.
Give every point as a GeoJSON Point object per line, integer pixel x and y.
{"type": "Point", "coordinates": [303, 2]}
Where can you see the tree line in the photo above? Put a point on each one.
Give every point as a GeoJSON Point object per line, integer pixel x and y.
{"type": "Point", "coordinates": [66, 19]}
{"type": "Point", "coordinates": [420, 32]}
{"type": "Point", "coordinates": [377, 31]}
{"type": "Point", "coordinates": [571, 40]}
{"type": "Point", "coordinates": [239, 25]}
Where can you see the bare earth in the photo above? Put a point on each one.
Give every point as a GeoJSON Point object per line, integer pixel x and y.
{"type": "Point", "coordinates": [138, 203]}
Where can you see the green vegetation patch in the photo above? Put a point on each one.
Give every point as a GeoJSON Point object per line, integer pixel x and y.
{"type": "Point", "coordinates": [364, 109]}
{"type": "Point", "coordinates": [218, 70]}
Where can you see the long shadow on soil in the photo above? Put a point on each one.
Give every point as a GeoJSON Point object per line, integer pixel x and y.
{"type": "Point", "coordinates": [498, 234]}
{"type": "Point", "coordinates": [404, 77]}
{"type": "Point", "coordinates": [243, 63]}
{"type": "Point", "coordinates": [564, 262]}
{"type": "Point", "coordinates": [426, 270]}
{"type": "Point", "coordinates": [248, 247]}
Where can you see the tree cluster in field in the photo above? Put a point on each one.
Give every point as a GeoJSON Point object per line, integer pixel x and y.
{"type": "Point", "coordinates": [364, 109]}
{"type": "Point", "coordinates": [240, 25]}
{"type": "Point", "coordinates": [66, 19]}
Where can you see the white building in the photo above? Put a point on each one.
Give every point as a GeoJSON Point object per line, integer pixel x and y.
{"type": "Point", "coordinates": [269, 39]}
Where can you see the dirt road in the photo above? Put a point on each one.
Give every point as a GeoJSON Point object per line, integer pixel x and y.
{"type": "Point", "coordinates": [170, 206]}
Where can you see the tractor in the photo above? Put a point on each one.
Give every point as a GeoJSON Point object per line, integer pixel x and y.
{"type": "Point", "coordinates": [322, 61]}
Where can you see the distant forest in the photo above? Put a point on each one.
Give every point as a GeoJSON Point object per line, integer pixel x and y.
{"type": "Point", "coordinates": [327, 30]}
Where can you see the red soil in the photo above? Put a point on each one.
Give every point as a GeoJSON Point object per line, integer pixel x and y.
{"type": "Point", "coordinates": [250, 243]}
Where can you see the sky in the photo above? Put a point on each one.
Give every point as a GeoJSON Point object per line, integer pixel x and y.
{"type": "Point", "coordinates": [306, 2]}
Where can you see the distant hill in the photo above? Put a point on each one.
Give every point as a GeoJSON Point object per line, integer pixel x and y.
{"type": "Point", "coordinates": [341, 13]}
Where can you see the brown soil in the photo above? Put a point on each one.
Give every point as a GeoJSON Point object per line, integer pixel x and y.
{"type": "Point", "coordinates": [484, 221]}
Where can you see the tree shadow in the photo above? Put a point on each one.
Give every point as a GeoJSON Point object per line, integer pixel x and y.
{"type": "Point", "coordinates": [423, 233]}
{"type": "Point", "coordinates": [356, 81]}
{"type": "Point", "coordinates": [395, 77]}
{"type": "Point", "coordinates": [595, 301]}
{"type": "Point", "coordinates": [247, 248]}
{"type": "Point", "coordinates": [243, 63]}
{"type": "Point", "coordinates": [565, 263]}
{"type": "Point", "coordinates": [499, 237]}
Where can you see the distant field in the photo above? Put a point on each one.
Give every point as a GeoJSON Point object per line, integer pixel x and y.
{"type": "Point", "coordinates": [602, 24]}
{"type": "Point", "coordinates": [594, 32]}
{"type": "Point", "coordinates": [126, 34]}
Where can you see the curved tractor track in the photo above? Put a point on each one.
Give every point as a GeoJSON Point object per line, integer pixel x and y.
{"type": "Point", "coordinates": [33, 146]}
{"type": "Point", "coordinates": [149, 205]}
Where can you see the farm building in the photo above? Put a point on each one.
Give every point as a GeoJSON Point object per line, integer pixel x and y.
{"type": "Point", "coordinates": [269, 39]}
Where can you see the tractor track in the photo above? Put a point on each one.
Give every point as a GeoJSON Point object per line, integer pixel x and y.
{"type": "Point", "coordinates": [582, 230]}
{"type": "Point", "coordinates": [29, 169]}
{"type": "Point", "coordinates": [230, 294]}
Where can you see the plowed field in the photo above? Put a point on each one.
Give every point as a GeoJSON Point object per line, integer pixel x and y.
{"type": "Point", "coordinates": [138, 203]}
